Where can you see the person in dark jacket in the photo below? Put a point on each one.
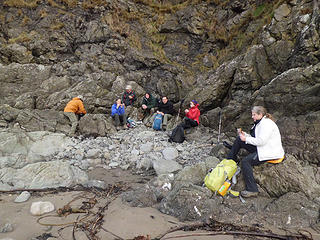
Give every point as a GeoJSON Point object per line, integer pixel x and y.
{"type": "Point", "coordinates": [128, 98]}
{"type": "Point", "coordinates": [165, 108]}
{"type": "Point", "coordinates": [149, 103]}
{"type": "Point", "coordinates": [118, 114]}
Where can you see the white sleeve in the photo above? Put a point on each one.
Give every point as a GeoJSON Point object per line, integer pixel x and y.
{"type": "Point", "coordinates": [263, 133]}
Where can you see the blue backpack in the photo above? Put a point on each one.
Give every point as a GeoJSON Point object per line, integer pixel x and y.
{"type": "Point", "coordinates": [131, 123]}
{"type": "Point", "coordinates": [157, 122]}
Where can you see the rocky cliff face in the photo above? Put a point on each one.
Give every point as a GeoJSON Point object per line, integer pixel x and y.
{"type": "Point", "coordinates": [229, 55]}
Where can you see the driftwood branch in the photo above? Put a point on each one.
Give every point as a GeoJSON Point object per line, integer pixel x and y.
{"type": "Point", "coordinates": [206, 226]}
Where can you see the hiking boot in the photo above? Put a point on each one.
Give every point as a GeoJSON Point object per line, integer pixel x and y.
{"type": "Point", "coordinates": [247, 194]}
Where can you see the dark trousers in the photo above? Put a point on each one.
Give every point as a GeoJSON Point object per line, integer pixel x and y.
{"type": "Point", "coordinates": [237, 145]}
{"type": "Point", "coordinates": [119, 119]}
{"type": "Point", "coordinates": [188, 123]}
{"type": "Point", "coordinates": [246, 163]}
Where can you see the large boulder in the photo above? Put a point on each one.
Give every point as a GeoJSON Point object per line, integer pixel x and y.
{"type": "Point", "coordinates": [43, 120]}
{"type": "Point", "coordinates": [288, 176]}
{"type": "Point", "coordinates": [42, 175]}
{"type": "Point", "coordinates": [96, 125]}
{"type": "Point", "coordinates": [19, 148]}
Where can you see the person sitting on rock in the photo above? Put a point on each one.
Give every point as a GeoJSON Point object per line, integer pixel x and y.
{"type": "Point", "coordinates": [149, 103]}
{"type": "Point", "coordinates": [263, 143]}
{"type": "Point", "coordinates": [165, 108]}
{"type": "Point", "coordinates": [118, 114]}
{"type": "Point", "coordinates": [192, 116]}
{"type": "Point", "coordinates": [128, 98]}
{"type": "Point", "coordinates": [74, 110]}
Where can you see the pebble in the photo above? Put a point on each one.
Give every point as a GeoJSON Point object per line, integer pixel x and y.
{"type": "Point", "coordinates": [39, 208]}
{"type": "Point", "coordinates": [8, 227]}
{"type": "Point", "coordinates": [23, 197]}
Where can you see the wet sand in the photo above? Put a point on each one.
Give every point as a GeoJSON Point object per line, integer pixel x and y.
{"type": "Point", "coordinates": [119, 219]}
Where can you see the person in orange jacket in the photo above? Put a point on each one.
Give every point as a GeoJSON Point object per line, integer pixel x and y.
{"type": "Point", "coordinates": [192, 116]}
{"type": "Point", "coordinates": [73, 110]}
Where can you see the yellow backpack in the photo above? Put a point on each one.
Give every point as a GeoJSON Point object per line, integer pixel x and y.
{"type": "Point", "coordinates": [219, 178]}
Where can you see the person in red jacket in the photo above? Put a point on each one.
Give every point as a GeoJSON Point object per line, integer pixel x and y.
{"type": "Point", "coordinates": [192, 116]}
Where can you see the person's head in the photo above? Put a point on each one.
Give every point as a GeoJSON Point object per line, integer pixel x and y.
{"type": "Point", "coordinates": [258, 112]}
{"type": "Point", "coordinates": [118, 101]}
{"type": "Point", "coordinates": [80, 97]}
{"type": "Point", "coordinates": [128, 88]}
{"type": "Point", "coordinates": [147, 95]}
{"type": "Point", "coordinates": [164, 99]}
{"type": "Point", "coordinates": [193, 103]}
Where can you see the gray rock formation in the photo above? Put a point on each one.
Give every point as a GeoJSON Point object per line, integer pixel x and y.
{"type": "Point", "coordinates": [228, 56]}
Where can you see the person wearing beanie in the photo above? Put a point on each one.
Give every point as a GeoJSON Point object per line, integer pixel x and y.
{"type": "Point", "coordinates": [74, 110]}
{"type": "Point", "coordinates": [192, 116]}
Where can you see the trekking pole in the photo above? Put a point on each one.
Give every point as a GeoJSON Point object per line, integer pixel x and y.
{"type": "Point", "coordinates": [179, 110]}
{"type": "Point", "coordinates": [219, 131]}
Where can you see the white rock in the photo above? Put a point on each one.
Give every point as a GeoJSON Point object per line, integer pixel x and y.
{"type": "Point", "coordinates": [23, 197]}
{"type": "Point", "coordinates": [305, 18]}
{"type": "Point", "coordinates": [162, 166]}
{"type": "Point", "coordinates": [170, 153]}
{"type": "Point", "coordinates": [6, 228]}
{"type": "Point", "coordinates": [113, 164]}
{"type": "Point", "coordinates": [39, 208]}
{"type": "Point", "coordinates": [93, 153]}
{"type": "Point", "coordinates": [146, 147]}
{"type": "Point", "coordinates": [135, 152]}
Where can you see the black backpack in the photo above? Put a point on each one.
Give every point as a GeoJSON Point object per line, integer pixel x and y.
{"type": "Point", "coordinates": [177, 135]}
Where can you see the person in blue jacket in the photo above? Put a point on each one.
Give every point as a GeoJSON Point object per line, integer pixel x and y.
{"type": "Point", "coordinates": [118, 114]}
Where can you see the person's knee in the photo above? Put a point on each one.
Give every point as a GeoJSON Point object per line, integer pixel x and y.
{"type": "Point", "coordinates": [245, 162]}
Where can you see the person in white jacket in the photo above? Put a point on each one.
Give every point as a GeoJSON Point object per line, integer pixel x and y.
{"type": "Point", "coordinates": [263, 143]}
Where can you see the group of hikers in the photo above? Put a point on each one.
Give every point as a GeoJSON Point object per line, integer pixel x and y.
{"type": "Point", "coordinates": [263, 142]}
{"type": "Point", "coordinates": [123, 108]}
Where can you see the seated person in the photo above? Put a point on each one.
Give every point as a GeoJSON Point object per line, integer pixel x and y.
{"type": "Point", "coordinates": [118, 114]}
{"type": "Point", "coordinates": [263, 144]}
{"type": "Point", "coordinates": [192, 116]}
{"type": "Point", "coordinates": [128, 98]}
{"type": "Point", "coordinates": [165, 108]}
{"type": "Point", "coordinates": [149, 103]}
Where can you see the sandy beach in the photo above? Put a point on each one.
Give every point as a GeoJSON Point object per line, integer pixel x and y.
{"type": "Point", "coordinates": [120, 221]}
